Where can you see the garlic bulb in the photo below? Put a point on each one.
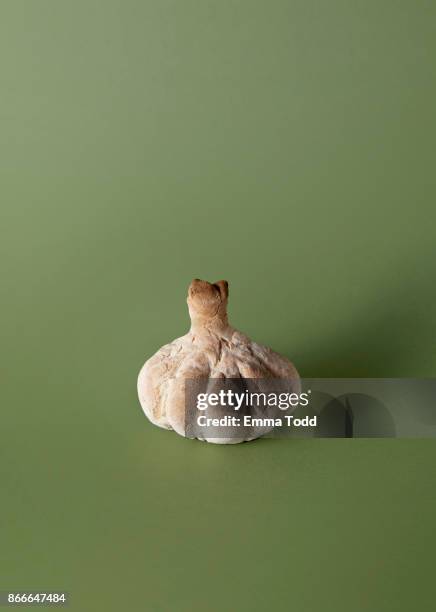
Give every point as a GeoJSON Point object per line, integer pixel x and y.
{"type": "Point", "coordinates": [212, 349]}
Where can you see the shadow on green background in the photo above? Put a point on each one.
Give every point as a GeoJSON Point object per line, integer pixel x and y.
{"type": "Point", "coordinates": [287, 147]}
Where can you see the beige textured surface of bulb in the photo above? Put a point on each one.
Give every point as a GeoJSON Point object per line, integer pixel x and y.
{"type": "Point", "coordinates": [211, 349]}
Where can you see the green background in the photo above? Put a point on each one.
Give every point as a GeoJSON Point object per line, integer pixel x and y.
{"type": "Point", "coordinates": [288, 147]}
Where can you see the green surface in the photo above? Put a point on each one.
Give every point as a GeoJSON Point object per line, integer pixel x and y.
{"type": "Point", "coordinates": [286, 146]}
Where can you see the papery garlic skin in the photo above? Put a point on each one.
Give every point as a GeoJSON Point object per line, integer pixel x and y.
{"type": "Point", "coordinates": [211, 349]}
